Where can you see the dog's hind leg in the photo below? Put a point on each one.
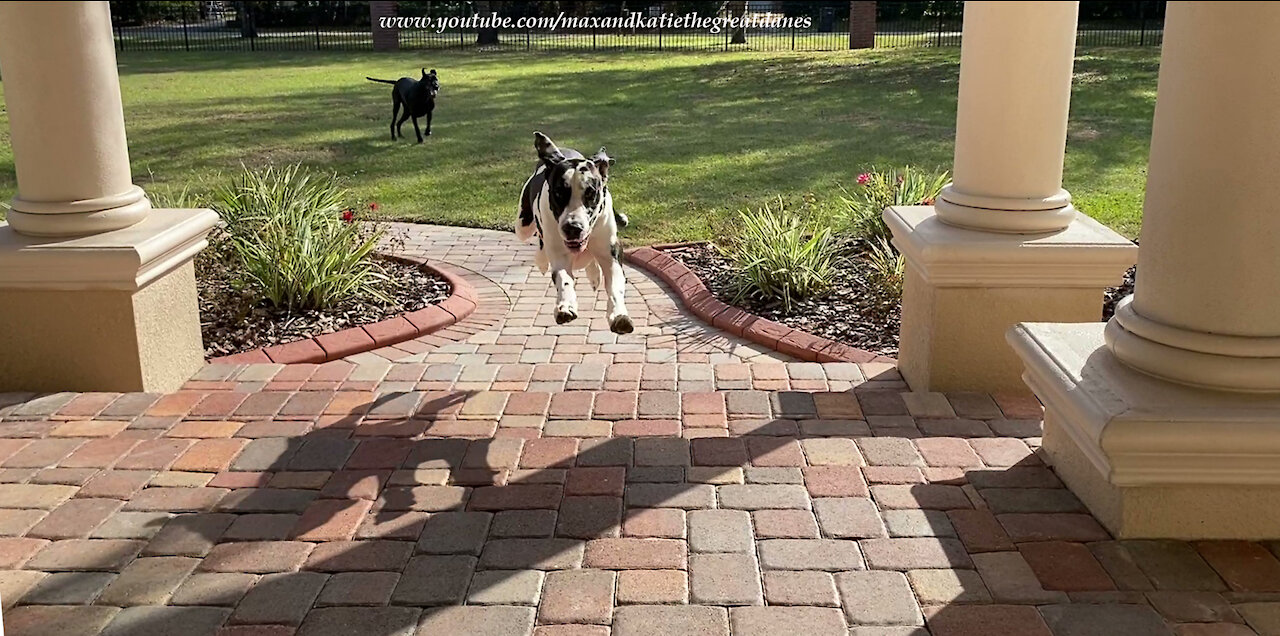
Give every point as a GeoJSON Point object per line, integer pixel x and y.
{"type": "Point", "coordinates": [615, 282]}
{"type": "Point", "coordinates": [400, 124]}
{"type": "Point", "coordinates": [593, 274]}
{"type": "Point", "coordinates": [395, 112]}
{"type": "Point", "coordinates": [566, 297]}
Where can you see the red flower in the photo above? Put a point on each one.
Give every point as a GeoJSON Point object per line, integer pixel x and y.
{"type": "Point", "coordinates": [349, 216]}
{"type": "Point", "coordinates": [864, 179]}
{"type": "Point", "coordinates": [373, 206]}
{"type": "Point", "coordinates": [927, 202]}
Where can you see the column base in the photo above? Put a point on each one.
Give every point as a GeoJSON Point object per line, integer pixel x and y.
{"type": "Point", "coordinates": [1150, 458]}
{"type": "Point", "coordinates": [964, 289]}
{"type": "Point", "coordinates": [110, 312]}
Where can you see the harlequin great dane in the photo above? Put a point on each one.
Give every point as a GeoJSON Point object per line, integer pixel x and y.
{"type": "Point", "coordinates": [567, 205]}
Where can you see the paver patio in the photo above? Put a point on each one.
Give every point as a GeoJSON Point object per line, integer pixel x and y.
{"type": "Point", "coordinates": [512, 476]}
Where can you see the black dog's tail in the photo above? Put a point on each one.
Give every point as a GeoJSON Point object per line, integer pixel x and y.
{"type": "Point", "coordinates": [374, 79]}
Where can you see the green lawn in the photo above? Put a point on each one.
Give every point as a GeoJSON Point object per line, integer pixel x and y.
{"type": "Point", "coordinates": [696, 136]}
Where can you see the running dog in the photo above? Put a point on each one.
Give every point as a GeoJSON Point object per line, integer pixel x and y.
{"type": "Point", "coordinates": [418, 96]}
{"type": "Point", "coordinates": [566, 204]}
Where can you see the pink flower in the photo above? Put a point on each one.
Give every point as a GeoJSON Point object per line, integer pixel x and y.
{"type": "Point", "coordinates": [373, 206]}
{"type": "Point", "coordinates": [900, 179]}
{"type": "Point", "coordinates": [927, 202]}
{"type": "Point", "coordinates": [348, 216]}
{"type": "Point", "coordinates": [864, 179]}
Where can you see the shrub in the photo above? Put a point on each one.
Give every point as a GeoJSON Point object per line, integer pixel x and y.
{"type": "Point", "coordinates": [878, 190]}
{"type": "Point", "coordinates": [778, 256]}
{"type": "Point", "coordinates": [295, 239]}
{"type": "Point", "coordinates": [888, 267]}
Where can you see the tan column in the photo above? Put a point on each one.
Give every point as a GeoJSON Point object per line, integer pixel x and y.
{"type": "Point", "coordinates": [1002, 244]}
{"type": "Point", "coordinates": [97, 291]}
{"type": "Point", "coordinates": [77, 114]}
{"type": "Point", "coordinates": [1011, 120]}
{"type": "Point", "coordinates": [1206, 310]}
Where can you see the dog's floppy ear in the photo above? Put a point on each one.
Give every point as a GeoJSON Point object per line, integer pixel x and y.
{"type": "Point", "coordinates": [433, 72]}
{"type": "Point", "coordinates": [603, 161]}
{"type": "Point", "coordinates": [548, 151]}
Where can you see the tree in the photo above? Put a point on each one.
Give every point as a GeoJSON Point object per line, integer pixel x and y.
{"type": "Point", "coordinates": [738, 10]}
{"type": "Point", "coordinates": [487, 35]}
{"type": "Point", "coordinates": [244, 11]}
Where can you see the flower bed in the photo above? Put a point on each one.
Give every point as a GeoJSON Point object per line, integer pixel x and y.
{"type": "Point", "coordinates": [291, 275]}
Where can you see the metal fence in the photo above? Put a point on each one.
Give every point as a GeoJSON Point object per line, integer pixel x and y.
{"type": "Point", "coordinates": [931, 24]}
{"type": "Point", "coordinates": [343, 25]}
{"type": "Point", "coordinates": [241, 26]}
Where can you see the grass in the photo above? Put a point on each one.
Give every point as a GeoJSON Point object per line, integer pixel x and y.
{"type": "Point", "coordinates": [698, 137]}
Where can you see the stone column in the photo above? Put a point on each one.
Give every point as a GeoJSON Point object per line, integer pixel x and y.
{"type": "Point", "coordinates": [384, 38]}
{"type": "Point", "coordinates": [1172, 427]}
{"type": "Point", "coordinates": [1002, 243]}
{"type": "Point", "coordinates": [1206, 310]}
{"type": "Point", "coordinates": [1011, 118]}
{"type": "Point", "coordinates": [63, 98]}
{"type": "Point", "coordinates": [862, 24]}
{"type": "Point", "coordinates": [96, 289]}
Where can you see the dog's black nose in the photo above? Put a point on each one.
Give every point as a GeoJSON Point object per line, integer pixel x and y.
{"type": "Point", "coordinates": [572, 231]}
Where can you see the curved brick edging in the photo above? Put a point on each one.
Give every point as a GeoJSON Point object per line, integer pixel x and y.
{"type": "Point", "coordinates": [699, 300]}
{"type": "Point", "coordinates": [462, 301]}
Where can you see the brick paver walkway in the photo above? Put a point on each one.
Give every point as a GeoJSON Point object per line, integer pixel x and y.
{"type": "Point", "coordinates": [516, 477]}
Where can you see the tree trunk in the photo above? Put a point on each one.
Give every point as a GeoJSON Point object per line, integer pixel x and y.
{"type": "Point", "coordinates": [738, 10]}
{"type": "Point", "coordinates": [247, 27]}
{"type": "Point", "coordinates": [486, 35]}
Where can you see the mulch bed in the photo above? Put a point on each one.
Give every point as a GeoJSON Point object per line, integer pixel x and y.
{"type": "Point", "coordinates": [1114, 294]}
{"type": "Point", "coordinates": [854, 312]}
{"type": "Point", "coordinates": [231, 321]}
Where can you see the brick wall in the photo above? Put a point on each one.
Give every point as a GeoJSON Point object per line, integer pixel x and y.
{"type": "Point", "coordinates": [383, 39]}
{"type": "Point", "coordinates": [862, 24]}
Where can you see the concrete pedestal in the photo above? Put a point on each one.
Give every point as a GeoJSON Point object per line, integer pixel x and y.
{"type": "Point", "coordinates": [114, 311]}
{"type": "Point", "coordinates": [1150, 458]}
{"type": "Point", "coordinates": [966, 288]}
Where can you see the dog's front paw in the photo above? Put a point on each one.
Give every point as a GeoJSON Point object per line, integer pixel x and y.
{"type": "Point", "coordinates": [428, 133]}
{"type": "Point", "coordinates": [621, 324]}
{"type": "Point", "coordinates": [565, 313]}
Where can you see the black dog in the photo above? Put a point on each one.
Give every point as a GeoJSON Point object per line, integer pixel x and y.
{"type": "Point", "coordinates": [418, 97]}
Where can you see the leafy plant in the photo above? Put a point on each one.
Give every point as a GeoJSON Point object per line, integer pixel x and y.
{"type": "Point", "coordinates": [167, 197]}
{"type": "Point", "coordinates": [888, 267]}
{"type": "Point", "coordinates": [878, 189]}
{"type": "Point", "coordinates": [296, 240]}
{"type": "Point", "coordinates": [780, 256]}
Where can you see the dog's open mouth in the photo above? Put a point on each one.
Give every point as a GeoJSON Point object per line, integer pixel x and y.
{"type": "Point", "coordinates": [576, 246]}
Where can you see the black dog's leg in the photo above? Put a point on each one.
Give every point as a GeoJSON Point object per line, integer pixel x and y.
{"type": "Point", "coordinates": [428, 123]}
{"type": "Point", "coordinates": [395, 112]}
{"type": "Point", "coordinates": [417, 130]}
{"type": "Point", "coordinates": [400, 124]}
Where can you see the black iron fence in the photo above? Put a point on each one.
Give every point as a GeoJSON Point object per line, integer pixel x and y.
{"type": "Point", "coordinates": [343, 25]}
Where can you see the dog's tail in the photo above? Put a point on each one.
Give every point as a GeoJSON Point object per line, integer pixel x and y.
{"type": "Point", "coordinates": [374, 79]}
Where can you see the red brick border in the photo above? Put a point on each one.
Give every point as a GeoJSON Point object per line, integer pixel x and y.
{"type": "Point", "coordinates": [340, 344]}
{"type": "Point", "coordinates": [699, 300]}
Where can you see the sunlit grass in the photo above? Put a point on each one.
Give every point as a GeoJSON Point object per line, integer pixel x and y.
{"type": "Point", "coordinates": [697, 136]}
